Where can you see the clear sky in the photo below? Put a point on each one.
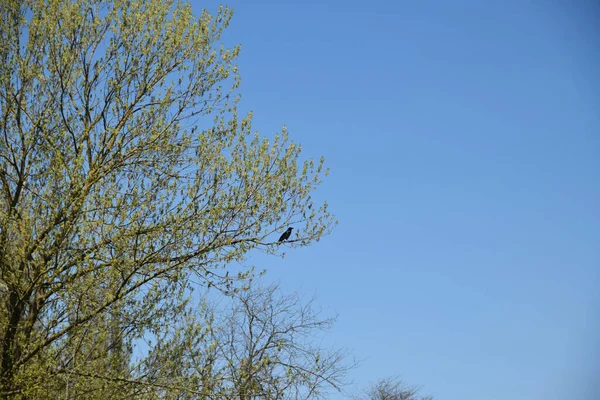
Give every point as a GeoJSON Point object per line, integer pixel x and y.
{"type": "Point", "coordinates": [463, 139]}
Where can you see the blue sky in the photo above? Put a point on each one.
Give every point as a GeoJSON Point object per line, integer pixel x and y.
{"type": "Point", "coordinates": [463, 139]}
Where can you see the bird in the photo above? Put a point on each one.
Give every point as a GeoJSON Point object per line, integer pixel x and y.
{"type": "Point", "coordinates": [285, 235]}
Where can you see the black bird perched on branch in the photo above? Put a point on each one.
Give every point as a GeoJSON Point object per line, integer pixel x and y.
{"type": "Point", "coordinates": [285, 235]}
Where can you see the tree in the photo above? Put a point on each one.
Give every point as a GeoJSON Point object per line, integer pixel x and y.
{"type": "Point", "coordinates": [127, 180]}
{"type": "Point", "coordinates": [268, 351]}
{"type": "Point", "coordinates": [259, 346]}
{"type": "Point", "coordinates": [391, 389]}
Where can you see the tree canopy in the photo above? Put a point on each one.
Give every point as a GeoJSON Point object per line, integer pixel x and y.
{"type": "Point", "coordinates": [391, 388]}
{"type": "Point", "coordinates": [127, 181]}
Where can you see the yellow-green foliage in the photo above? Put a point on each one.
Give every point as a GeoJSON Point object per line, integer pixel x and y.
{"type": "Point", "coordinates": [115, 197]}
